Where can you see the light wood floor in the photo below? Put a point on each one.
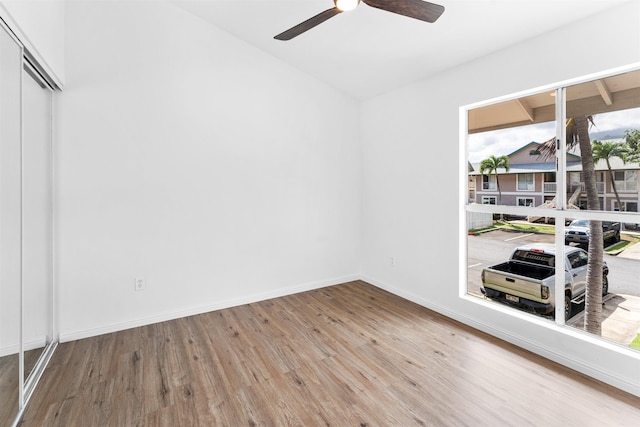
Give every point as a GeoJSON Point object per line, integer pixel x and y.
{"type": "Point", "coordinates": [347, 355]}
{"type": "Point", "coordinates": [9, 366]}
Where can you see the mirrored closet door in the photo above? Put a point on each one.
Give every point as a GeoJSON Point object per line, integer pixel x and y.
{"type": "Point", "coordinates": [37, 271]}
{"type": "Point", "coordinates": [11, 385]}
{"type": "Point", "coordinates": [27, 334]}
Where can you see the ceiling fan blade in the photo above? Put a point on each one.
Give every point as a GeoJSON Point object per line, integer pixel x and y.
{"type": "Point", "coordinates": [308, 24]}
{"type": "Point", "coordinates": [418, 9]}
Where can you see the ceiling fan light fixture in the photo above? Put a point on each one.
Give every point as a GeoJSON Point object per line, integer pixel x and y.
{"type": "Point", "coordinates": [418, 9]}
{"type": "Point", "coordinates": [346, 5]}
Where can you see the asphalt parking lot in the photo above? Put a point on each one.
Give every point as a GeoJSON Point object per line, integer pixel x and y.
{"type": "Point", "coordinates": [621, 308]}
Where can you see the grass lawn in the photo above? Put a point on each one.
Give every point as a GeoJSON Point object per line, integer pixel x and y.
{"type": "Point", "coordinates": [529, 228]}
{"type": "Point", "coordinates": [635, 343]}
{"type": "Point", "coordinates": [626, 240]}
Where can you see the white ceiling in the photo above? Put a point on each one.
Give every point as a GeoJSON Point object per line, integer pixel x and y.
{"type": "Point", "coordinates": [368, 51]}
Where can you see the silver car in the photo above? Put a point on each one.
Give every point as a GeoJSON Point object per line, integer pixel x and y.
{"type": "Point", "coordinates": [578, 232]}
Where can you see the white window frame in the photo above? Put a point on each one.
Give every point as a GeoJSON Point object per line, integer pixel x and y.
{"type": "Point", "coordinates": [560, 213]}
{"type": "Point", "coordinates": [532, 199]}
{"type": "Point", "coordinates": [628, 184]}
{"type": "Point", "coordinates": [531, 187]}
{"type": "Point", "coordinates": [614, 205]}
{"type": "Point", "coordinates": [485, 199]}
{"type": "Point", "coordinates": [492, 183]}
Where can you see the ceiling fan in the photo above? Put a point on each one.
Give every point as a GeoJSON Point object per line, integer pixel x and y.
{"type": "Point", "coordinates": [417, 9]}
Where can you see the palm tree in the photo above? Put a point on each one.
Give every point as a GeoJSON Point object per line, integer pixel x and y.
{"type": "Point", "coordinates": [606, 151]}
{"type": "Point", "coordinates": [577, 133]}
{"type": "Point", "coordinates": [593, 294]}
{"type": "Point", "coordinates": [491, 165]}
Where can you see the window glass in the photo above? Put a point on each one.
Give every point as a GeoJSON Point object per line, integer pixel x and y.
{"type": "Point", "coordinates": [525, 182]}
{"type": "Point", "coordinates": [603, 117]}
{"type": "Point", "coordinates": [525, 201]}
{"type": "Point", "coordinates": [504, 143]}
{"type": "Point", "coordinates": [488, 200]}
{"type": "Point", "coordinates": [512, 148]}
{"type": "Point", "coordinates": [574, 260]}
{"type": "Point", "coordinates": [501, 252]}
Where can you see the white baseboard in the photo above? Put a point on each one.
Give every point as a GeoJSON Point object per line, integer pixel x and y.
{"type": "Point", "coordinates": [10, 349]}
{"type": "Point", "coordinates": [32, 344]}
{"type": "Point", "coordinates": [629, 385]}
{"type": "Point", "coordinates": [72, 335]}
{"type": "Point", "coordinates": [611, 378]}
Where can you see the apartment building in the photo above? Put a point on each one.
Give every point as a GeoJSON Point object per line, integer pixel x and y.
{"type": "Point", "coordinates": [531, 181]}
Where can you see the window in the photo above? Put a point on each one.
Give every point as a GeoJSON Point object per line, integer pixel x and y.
{"type": "Point", "coordinates": [488, 200]}
{"type": "Point", "coordinates": [627, 205]}
{"type": "Point", "coordinates": [525, 201]}
{"type": "Point", "coordinates": [582, 204]}
{"type": "Point", "coordinates": [525, 182]}
{"type": "Point", "coordinates": [489, 182]}
{"type": "Point", "coordinates": [625, 180]}
{"type": "Point", "coordinates": [540, 150]}
{"type": "Point", "coordinates": [577, 259]}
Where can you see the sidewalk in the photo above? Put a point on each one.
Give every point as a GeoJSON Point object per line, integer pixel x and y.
{"type": "Point", "coordinates": [620, 318]}
{"type": "Point", "coordinates": [632, 252]}
{"type": "Point", "coordinates": [621, 313]}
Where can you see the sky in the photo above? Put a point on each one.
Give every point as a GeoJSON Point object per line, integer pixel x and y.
{"type": "Point", "coordinates": [505, 141]}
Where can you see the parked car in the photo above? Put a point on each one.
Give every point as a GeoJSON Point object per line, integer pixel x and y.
{"type": "Point", "coordinates": [527, 279]}
{"type": "Point", "coordinates": [578, 232]}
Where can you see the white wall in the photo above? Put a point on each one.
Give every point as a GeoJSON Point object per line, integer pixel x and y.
{"type": "Point", "coordinates": [223, 176]}
{"type": "Point", "coordinates": [187, 157]}
{"type": "Point", "coordinates": [40, 26]}
{"type": "Point", "coordinates": [411, 174]}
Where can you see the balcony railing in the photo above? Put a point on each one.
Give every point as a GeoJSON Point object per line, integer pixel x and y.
{"type": "Point", "coordinates": [599, 187]}
{"type": "Point", "coordinates": [549, 187]}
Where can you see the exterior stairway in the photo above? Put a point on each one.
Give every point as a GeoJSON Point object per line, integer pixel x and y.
{"type": "Point", "coordinates": [551, 204]}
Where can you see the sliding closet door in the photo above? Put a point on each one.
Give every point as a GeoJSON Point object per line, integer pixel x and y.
{"type": "Point", "coordinates": [36, 216]}
{"type": "Point", "coordinates": [10, 228]}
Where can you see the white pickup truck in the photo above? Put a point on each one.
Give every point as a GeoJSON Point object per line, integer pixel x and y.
{"type": "Point", "coordinates": [527, 280]}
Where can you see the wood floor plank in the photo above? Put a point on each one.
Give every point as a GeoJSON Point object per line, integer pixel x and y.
{"type": "Point", "coordinates": [9, 383]}
{"type": "Point", "coordinates": [346, 355]}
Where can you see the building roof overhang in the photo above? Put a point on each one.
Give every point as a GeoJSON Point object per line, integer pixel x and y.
{"type": "Point", "coordinates": [613, 93]}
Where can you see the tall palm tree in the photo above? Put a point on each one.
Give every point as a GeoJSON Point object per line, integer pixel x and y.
{"type": "Point", "coordinates": [577, 133]}
{"type": "Point", "coordinates": [491, 165]}
{"type": "Point", "coordinates": [606, 151]}
{"type": "Point", "coordinates": [593, 294]}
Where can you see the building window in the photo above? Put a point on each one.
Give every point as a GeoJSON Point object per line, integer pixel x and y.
{"type": "Point", "coordinates": [489, 182]}
{"type": "Point", "coordinates": [626, 180]}
{"type": "Point", "coordinates": [489, 200]}
{"type": "Point", "coordinates": [525, 201]}
{"type": "Point", "coordinates": [582, 204]}
{"type": "Point", "coordinates": [525, 182]}
{"type": "Point", "coordinates": [627, 205]}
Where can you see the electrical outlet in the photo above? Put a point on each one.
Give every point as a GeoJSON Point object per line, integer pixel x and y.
{"type": "Point", "coordinates": [392, 261]}
{"type": "Point", "coordinates": [140, 284]}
